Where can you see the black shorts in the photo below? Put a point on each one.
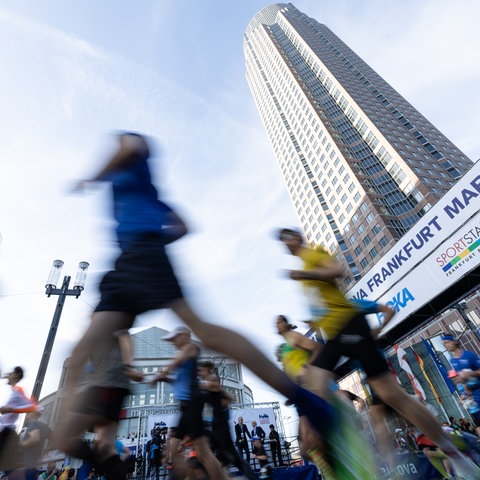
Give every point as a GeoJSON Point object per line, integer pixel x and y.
{"type": "Point", "coordinates": [104, 402]}
{"type": "Point", "coordinates": [422, 447]}
{"type": "Point", "coordinates": [355, 342]}
{"type": "Point", "coordinates": [191, 420]}
{"type": "Point", "coordinates": [143, 279]}
{"type": "Point", "coordinates": [476, 418]}
{"type": "Point", "coordinates": [9, 450]}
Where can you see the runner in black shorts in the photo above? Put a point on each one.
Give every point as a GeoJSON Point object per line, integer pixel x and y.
{"type": "Point", "coordinates": [143, 279]}
{"type": "Point", "coordinates": [105, 402]}
{"type": "Point", "coordinates": [351, 336]}
{"type": "Point", "coordinates": [356, 342]}
{"type": "Point", "coordinates": [96, 407]}
{"type": "Point", "coordinates": [187, 391]}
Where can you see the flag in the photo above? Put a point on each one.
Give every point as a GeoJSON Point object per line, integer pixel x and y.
{"type": "Point", "coordinates": [394, 372]}
{"type": "Point", "coordinates": [441, 367]}
{"type": "Point", "coordinates": [432, 388]}
{"type": "Point", "coordinates": [402, 360]}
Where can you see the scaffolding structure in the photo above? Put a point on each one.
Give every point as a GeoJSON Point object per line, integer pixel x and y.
{"type": "Point", "coordinates": [290, 445]}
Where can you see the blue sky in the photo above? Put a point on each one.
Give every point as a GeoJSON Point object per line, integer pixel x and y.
{"type": "Point", "coordinates": [73, 71]}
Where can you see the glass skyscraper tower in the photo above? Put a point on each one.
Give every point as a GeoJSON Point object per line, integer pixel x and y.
{"type": "Point", "coordinates": [360, 163]}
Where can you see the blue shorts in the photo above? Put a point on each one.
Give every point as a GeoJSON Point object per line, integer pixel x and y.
{"type": "Point", "coordinates": [143, 279]}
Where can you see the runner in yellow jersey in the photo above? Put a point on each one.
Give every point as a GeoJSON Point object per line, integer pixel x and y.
{"type": "Point", "coordinates": [348, 334]}
{"type": "Point", "coordinates": [349, 457]}
{"type": "Point", "coordinates": [329, 307]}
{"type": "Point", "coordinates": [295, 355]}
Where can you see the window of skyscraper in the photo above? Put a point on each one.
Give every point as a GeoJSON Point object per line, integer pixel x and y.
{"type": "Point", "coordinates": [383, 242]}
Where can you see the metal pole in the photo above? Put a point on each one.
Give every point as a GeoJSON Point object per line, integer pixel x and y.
{"type": "Point", "coordinates": [460, 308]}
{"type": "Point", "coordinates": [50, 339]}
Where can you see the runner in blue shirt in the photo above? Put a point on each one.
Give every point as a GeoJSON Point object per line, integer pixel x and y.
{"type": "Point", "coordinates": [143, 279]}
{"type": "Point", "coordinates": [466, 364]}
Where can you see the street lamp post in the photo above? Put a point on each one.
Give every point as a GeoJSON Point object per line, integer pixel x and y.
{"type": "Point", "coordinates": [63, 292]}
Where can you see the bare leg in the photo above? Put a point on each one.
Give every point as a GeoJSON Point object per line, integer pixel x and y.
{"type": "Point", "coordinates": [178, 459]}
{"type": "Point", "coordinates": [67, 435]}
{"type": "Point", "coordinates": [437, 459]}
{"type": "Point", "coordinates": [313, 447]}
{"type": "Point", "coordinates": [105, 452]}
{"type": "Point", "coordinates": [317, 380]}
{"type": "Point", "coordinates": [72, 424]}
{"type": "Point", "coordinates": [208, 460]}
{"type": "Point", "coordinates": [103, 324]}
{"type": "Point", "coordinates": [392, 394]}
{"type": "Point", "coordinates": [105, 440]}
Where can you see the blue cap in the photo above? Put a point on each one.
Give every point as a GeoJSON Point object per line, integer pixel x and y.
{"type": "Point", "coordinates": [448, 337]}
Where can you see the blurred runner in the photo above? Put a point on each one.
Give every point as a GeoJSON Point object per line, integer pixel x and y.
{"type": "Point", "coordinates": [143, 278]}
{"type": "Point", "coordinates": [10, 459]}
{"type": "Point", "coordinates": [347, 333]}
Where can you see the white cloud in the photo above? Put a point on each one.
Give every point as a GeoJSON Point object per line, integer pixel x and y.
{"type": "Point", "coordinates": [63, 92]}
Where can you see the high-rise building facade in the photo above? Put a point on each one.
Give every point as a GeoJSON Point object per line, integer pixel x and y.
{"type": "Point", "coordinates": [360, 163]}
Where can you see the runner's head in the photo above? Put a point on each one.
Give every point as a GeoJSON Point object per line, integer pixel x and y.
{"type": "Point", "coordinates": [291, 238]}
{"type": "Point", "coordinates": [15, 376]}
{"type": "Point", "coordinates": [450, 342]}
{"type": "Point", "coordinates": [283, 326]}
